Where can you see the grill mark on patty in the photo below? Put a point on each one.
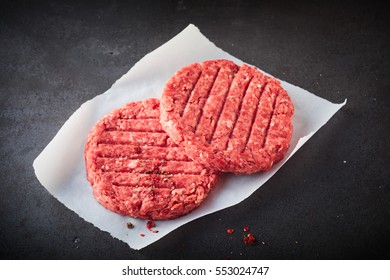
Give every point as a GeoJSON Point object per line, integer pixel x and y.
{"type": "Point", "coordinates": [269, 123]}
{"type": "Point", "coordinates": [149, 188]}
{"type": "Point", "coordinates": [135, 125]}
{"type": "Point", "coordinates": [221, 110]}
{"type": "Point", "coordinates": [168, 175]}
{"type": "Point", "coordinates": [238, 113]}
{"type": "Point", "coordinates": [148, 165]}
{"type": "Point", "coordinates": [229, 111]}
{"type": "Point", "coordinates": [188, 96]}
{"type": "Point", "coordinates": [262, 119]}
{"type": "Point", "coordinates": [213, 105]}
{"type": "Point", "coordinates": [134, 112]}
{"type": "Point", "coordinates": [140, 129]}
{"type": "Point", "coordinates": [155, 180]}
{"type": "Point", "coordinates": [124, 117]}
{"type": "Point", "coordinates": [203, 101]}
{"type": "Point", "coordinates": [142, 158]}
{"type": "Point", "coordinates": [135, 138]}
{"type": "Point", "coordinates": [141, 152]}
{"type": "Point", "coordinates": [253, 117]}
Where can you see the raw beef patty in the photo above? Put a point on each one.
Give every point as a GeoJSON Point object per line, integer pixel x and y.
{"type": "Point", "coordinates": [135, 169]}
{"type": "Point", "coordinates": [231, 118]}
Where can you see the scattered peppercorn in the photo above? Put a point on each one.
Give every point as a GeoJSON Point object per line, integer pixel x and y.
{"type": "Point", "coordinates": [230, 231]}
{"type": "Point", "coordinates": [129, 225]}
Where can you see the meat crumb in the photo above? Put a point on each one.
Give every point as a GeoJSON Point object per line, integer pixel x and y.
{"type": "Point", "coordinates": [150, 225]}
{"type": "Point", "coordinates": [249, 239]}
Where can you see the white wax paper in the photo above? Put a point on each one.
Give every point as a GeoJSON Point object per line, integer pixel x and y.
{"type": "Point", "coordinates": [61, 170]}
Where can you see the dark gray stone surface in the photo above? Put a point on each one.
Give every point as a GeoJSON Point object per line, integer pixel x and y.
{"type": "Point", "coordinates": [330, 201]}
